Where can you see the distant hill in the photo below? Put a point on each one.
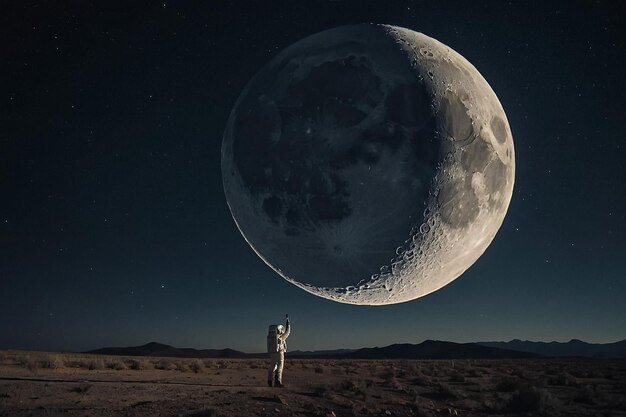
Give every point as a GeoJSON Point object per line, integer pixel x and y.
{"type": "Point", "coordinates": [573, 348]}
{"type": "Point", "coordinates": [159, 349]}
{"type": "Point", "coordinates": [433, 349]}
{"type": "Point", "coordinates": [430, 349]}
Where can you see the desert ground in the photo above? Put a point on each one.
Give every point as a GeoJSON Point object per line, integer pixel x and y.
{"type": "Point", "coordinates": [66, 384]}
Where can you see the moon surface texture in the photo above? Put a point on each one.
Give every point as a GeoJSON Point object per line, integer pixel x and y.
{"type": "Point", "coordinates": [368, 164]}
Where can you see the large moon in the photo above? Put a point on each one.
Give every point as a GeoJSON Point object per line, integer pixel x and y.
{"type": "Point", "coordinates": [368, 164]}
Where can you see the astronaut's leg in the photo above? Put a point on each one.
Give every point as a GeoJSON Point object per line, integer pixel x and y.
{"type": "Point", "coordinates": [278, 382]}
{"type": "Point", "coordinates": [272, 369]}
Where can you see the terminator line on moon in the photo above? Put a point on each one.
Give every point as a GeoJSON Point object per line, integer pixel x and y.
{"type": "Point", "coordinates": [368, 164]}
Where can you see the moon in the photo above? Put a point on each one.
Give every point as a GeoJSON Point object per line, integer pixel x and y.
{"type": "Point", "coordinates": [368, 164]}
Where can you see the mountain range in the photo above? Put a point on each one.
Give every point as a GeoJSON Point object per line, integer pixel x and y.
{"type": "Point", "coordinates": [429, 349]}
{"type": "Point", "coordinates": [161, 350]}
{"type": "Point", "coordinates": [573, 348]}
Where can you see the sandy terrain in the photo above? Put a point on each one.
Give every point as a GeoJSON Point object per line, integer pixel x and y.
{"type": "Point", "coordinates": [50, 384]}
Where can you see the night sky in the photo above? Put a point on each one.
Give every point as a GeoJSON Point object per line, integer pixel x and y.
{"type": "Point", "coordinates": [114, 228]}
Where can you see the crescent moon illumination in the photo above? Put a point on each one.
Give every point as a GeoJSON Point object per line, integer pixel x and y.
{"type": "Point", "coordinates": [368, 164]}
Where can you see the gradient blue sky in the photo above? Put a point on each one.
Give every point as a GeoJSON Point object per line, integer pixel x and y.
{"type": "Point", "coordinates": [114, 229]}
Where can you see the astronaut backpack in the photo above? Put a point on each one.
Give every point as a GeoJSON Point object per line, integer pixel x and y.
{"type": "Point", "coordinates": [272, 339]}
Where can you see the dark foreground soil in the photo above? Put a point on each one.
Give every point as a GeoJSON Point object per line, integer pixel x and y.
{"type": "Point", "coordinates": [57, 384]}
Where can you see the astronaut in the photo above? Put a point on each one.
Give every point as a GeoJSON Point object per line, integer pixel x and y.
{"type": "Point", "coordinates": [276, 347]}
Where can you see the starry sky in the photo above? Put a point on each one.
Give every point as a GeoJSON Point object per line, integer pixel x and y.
{"type": "Point", "coordinates": [114, 229]}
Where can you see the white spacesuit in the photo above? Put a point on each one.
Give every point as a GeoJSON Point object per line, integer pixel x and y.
{"type": "Point", "coordinates": [276, 347]}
